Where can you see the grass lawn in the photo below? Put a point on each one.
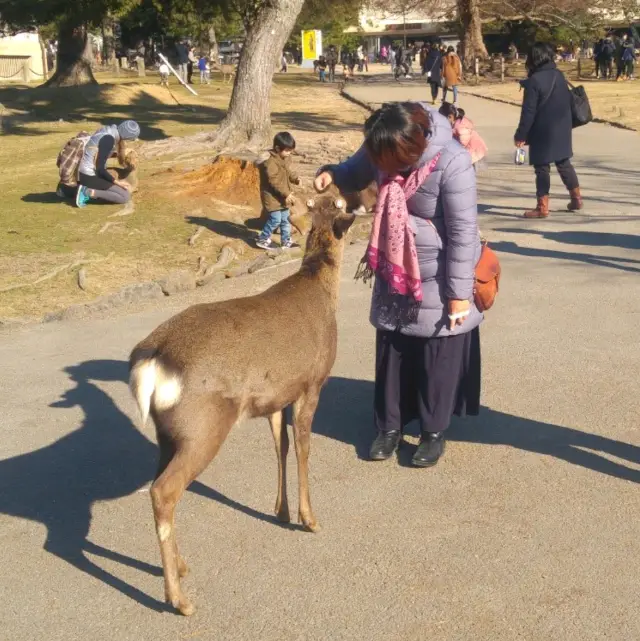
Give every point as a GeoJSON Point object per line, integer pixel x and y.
{"type": "Point", "coordinates": [39, 233]}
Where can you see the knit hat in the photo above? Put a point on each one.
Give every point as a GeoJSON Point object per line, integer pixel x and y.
{"type": "Point", "coordinates": [129, 130]}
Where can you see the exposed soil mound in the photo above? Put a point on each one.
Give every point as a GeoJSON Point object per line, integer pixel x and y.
{"type": "Point", "coordinates": [230, 179]}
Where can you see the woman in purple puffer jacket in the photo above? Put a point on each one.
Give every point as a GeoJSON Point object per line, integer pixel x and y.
{"type": "Point", "coordinates": [423, 251]}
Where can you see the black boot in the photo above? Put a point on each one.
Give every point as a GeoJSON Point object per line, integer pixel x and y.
{"type": "Point", "coordinates": [430, 450]}
{"type": "Point", "coordinates": [384, 446]}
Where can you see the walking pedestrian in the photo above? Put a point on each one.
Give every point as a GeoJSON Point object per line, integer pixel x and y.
{"type": "Point", "coordinates": [182, 53]}
{"type": "Point", "coordinates": [332, 61]}
{"type": "Point", "coordinates": [608, 53]}
{"type": "Point", "coordinates": [433, 71]}
{"type": "Point", "coordinates": [452, 73]}
{"type": "Point", "coordinates": [423, 250]}
{"type": "Point", "coordinates": [192, 61]}
{"type": "Point", "coordinates": [628, 59]}
{"type": "Point", "coordinates": [597, 56]}
{"type": "Point", "coordinates": [546, 125]}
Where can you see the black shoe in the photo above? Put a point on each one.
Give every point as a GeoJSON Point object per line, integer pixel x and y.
{"type": "Point", "coordinates": [384, 446]}
{"type": "Point", "coordinates": [430, 450]}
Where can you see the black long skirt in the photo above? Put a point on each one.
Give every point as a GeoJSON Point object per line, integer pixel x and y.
{"type": "Point", "coordinates": [426, 378]}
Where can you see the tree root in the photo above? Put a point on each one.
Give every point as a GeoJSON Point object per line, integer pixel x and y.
{"type": "Point", "coordinates": [194, 237]}
{"type": "Point", "coordinates": [227, 255]}
{"type": "Point", "coordinates": [56, 271]}
{"type": "Point", "coordinates": [106, 226]}
{"type": "Point", "coordinates": [127, 210]}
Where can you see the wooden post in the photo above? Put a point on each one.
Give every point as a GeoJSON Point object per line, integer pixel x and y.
{"type": "Point", "coordinates": [26, 74]}
{"type": "Point", "coordinates": [579, 66]}
{"type": "Point", "coordinates": [476, 69]}
{"type": "Point", "coordinates": [141, 70]}
{"type": "Point", "coordinates": [501, 68]}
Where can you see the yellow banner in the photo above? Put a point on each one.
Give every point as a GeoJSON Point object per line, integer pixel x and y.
{"type": "Point", "coordinates": [309, 45]}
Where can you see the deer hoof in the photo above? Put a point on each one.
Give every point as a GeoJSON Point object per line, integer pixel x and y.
{"type": "Point", "coordinates": [185, 607]}
{"type": "Point", "coordinates": [311, 525]}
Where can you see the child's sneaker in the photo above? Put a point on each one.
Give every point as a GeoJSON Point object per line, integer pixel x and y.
{"type": "Point", "coordinates": [82, 197]}
{"type": "Point", "coordinates": [288, 244]}
{"type": "Point", "coordinates": [263, 243]}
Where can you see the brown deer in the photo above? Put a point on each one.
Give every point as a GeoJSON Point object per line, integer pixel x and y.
{"type": "Point", "coordinates": [228, 71]}
{"type": "Point", "coordinates": [212, 366]}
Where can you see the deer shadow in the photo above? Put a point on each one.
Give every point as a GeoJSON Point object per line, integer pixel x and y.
{"type": "Point", "coordinates": [105, 458]}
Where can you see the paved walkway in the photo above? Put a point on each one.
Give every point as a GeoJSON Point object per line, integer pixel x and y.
{"type": "Point", "coordinates": [527, 530]}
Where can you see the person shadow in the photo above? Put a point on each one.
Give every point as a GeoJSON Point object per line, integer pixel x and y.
{"type": "Point", "coordinates": [104, 459]}
{"type": "Point", "coordinates": [345, 413]}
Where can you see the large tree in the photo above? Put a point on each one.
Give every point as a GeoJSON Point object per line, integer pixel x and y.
{"type": "Point", "coordinates": [470, 21]}
{"type": "Point", "coordinates": [72, 19]}
{"type": "Point", "coordinates": [268, 24]}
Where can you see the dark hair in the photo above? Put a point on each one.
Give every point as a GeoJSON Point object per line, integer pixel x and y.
{"type": "Point", "coordinates": [396, 135]}
{"type": "Point", "coordinates": [451, 50]}
{"type": "Point", "coordinates": [447, 109]}
{"type": "Point", "coordinates": [540, 54]}
{"type": "Point", "coordinates": [284, 141]}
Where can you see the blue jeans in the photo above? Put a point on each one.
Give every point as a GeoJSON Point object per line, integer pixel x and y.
{"type": "Point", "coordinates": [277, 219]}
{"type": "Point", "coordinates": [455, 93]}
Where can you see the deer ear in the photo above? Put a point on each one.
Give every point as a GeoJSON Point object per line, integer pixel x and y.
{"type": "Point", "coordinates": [341, 224]}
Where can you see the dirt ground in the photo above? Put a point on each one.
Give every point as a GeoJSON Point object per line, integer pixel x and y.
{"type": "Point", "coordinates": [39, 234]}
{"type": "Point", "coordinates": [615, 102]}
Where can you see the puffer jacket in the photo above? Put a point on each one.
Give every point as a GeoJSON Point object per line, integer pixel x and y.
{"type": "Point", "coordinates": [444, 216]}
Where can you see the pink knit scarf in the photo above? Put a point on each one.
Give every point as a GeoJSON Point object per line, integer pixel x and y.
{"type": "Point", "coordinates": [391, 254]}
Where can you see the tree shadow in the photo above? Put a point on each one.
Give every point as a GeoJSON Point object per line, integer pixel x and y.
{"type": "Point", "coordinates": [587, 238]}
{"type": "Point", "coordinates": [105, 458]}
{"type": "Point", "coordinates": [106, 103]}
{"type": "Point", "coordinates": [615, 262]}
{"type": "Point", "coordinates": [345, 413]}
{"type": "Point", "coordinates": [225, 228]}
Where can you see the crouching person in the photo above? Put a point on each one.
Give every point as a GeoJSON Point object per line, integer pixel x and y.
{"type": "Point", "coordinates": [96, 183]}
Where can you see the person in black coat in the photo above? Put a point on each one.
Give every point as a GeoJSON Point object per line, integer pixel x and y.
{"type": "Point", "coordinates": [433, 70]}
{"type": "Point", "coordinates": [546, 126]}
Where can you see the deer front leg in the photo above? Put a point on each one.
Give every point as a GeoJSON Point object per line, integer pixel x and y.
{"type": "Point", "coordinates": [281, 439]}
{"type": "Point", "coordinates": [303, 411]}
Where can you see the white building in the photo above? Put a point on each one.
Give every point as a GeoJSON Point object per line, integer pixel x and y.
{"type": "Point", "coordinates": [22, 58]}
{"type": "Point", "coordinates": [379, 28]}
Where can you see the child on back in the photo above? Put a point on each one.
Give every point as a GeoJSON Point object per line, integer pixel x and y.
{"type": "Point", "coordinates": [464, 132]}
{"type": "Point", "coordinates": [276, 180]}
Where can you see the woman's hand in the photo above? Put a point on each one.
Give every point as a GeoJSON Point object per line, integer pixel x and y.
{"type": "Point", "coordinates": [458, 311]}
{"type": "Point", "coordinates": [519, 143]}
{"type": "Point", "coordinates": [323, 181]}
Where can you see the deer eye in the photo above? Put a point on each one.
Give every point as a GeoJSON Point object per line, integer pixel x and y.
{"type": "Point", "coordinates": [310, 203]}
{"type": "Point", "coordinates": [339, 203]}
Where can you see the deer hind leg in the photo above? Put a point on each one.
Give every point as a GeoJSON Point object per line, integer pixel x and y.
{"type": "Point", "coordinates": [281, 439]}
{"type": "Point", "coordinates": [167, 452]}
{"type": "Point", "coordinates": [303, 411]}
{"type": "Point", "coordinates": [187, 462]}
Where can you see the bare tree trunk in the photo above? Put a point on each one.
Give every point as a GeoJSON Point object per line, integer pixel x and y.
{"type": "Point", "coordinates": [471, 27]}
{"type": "Point", "coordinates": [248, 121]}
{"type": "Point", "coordinates": [74, 57]}
{"type": "Point", "coordinates": [108, 42]}
{"type": "Point", "coordinates": [214, 50]}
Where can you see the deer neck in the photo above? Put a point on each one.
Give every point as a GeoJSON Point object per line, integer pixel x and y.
{"type": "Point", "coordinates": [327, 274]}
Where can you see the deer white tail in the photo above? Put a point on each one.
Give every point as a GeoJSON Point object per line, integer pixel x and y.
{"type": "Point", "coordinates": [149, 383]}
